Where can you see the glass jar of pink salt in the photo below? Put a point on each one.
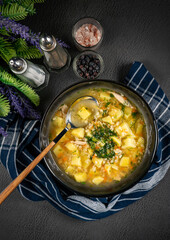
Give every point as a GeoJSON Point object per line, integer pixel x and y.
{"type": "Point", "coordinates": [87, 34]}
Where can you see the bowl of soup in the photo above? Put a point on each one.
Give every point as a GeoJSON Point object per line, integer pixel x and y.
{"type": "Point", "coordinates": [113, 151]}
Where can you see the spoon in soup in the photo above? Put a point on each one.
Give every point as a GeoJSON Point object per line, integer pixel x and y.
{"type": "Point", "coordinates": [80, 113]}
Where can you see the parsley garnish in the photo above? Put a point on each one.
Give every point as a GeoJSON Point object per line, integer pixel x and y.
{"type": "Point", "coordinates": [123, 107]}
{"type": "Point", "coordinates": [104, 113]}
{"type": "Point", "coordinates": [102, 134]}
{"type": "Point", "coordinates": [107, 104]}
{"type": "Point", "coordinates": [134, 114]}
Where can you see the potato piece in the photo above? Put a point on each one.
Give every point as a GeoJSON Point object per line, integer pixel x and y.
{"type": "Point", "coordinates": [114, 166]}
{"type": "Point", "coordinates": [97, 161]}
{"type": "Point", "coordinates": [131, 121]}
{"type": "Point", "coordinates": [76, 161]}
{"type": "Point", "coordinates": [71, 147]}
{"type": "Point", "coordinates": [139, 128]}
{"type": "Point", "coordinates": [141, 142]}
{"type": "Point", "coordinates": [129, 142]}
{"type": "Point", "coordinates": [93, 171]}
{"type": "Point", "coordinates": [57, 150]}
{"type": "Point", "coordinates": [88, 133]}
{"type": "Point", "coordinates": [123, 130]}
{"type": "Point", "coordinates": [84, 113]}
{"type": "Point", "coordinates": [117, 177]}
{"type": "Point", "coordinates": [117, 141]}
{"type": "Point", "coordinates": [86, 163]}
{"type": "Point", "coordinates": [70, 170]}
{"type": "Point", "coordinates": [107, 119]}
{"type": "Point", "coordinates": [58, 130]}
{"type": "Point", "coordinates": [58, 121]}
{"type": "Point", "coordinates": [90, 151]}
{"type": "Point", "coordinates": [78, 132]}
{"type": "Point", "coordinates": [105, 96]}
{"type": "Point", "coordinates": [127, 112]}
{"type": "Point", "coordinates": [124, 162]}
{"type": "Point", "coordinates": [97, 180]}
{"type": "Point", "coordinates": [80, 177]}
{"type": "Point", "coordinates": [108, 169]}
{"type": "Point", "coordinates": [116, 114]}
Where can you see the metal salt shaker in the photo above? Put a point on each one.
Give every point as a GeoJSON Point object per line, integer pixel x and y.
{"type": "Point", "coordinates": [34, 75]}
{"type": "Point", "coordinates": [56, 58]}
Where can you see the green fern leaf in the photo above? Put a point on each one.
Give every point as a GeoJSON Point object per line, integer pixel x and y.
{"type": "Point", "coordinates": [38, 1]}
{"type": "Point", "coordinates": [8, 79]}
{"type": "Point", "coordinates": [20, 45]}
{"type": "Point", "coordinates": [13, 11]}
{"type": "Point", "coordinates": [30, 53]}
{"type": "Point", "coordinates": [27, 4]}
{"type": "Point", "coordinates": [4, 106]}
{"type": "Point", "coordinates": [24, 51]}
{"type": "Point", "coordinates": [6, 50]}
{"type": "Point", "coordinates": [4, 32]}
{"type": "Point", "coordinates": [22, 1]}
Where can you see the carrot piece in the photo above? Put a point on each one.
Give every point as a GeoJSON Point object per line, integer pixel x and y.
{"type": "Point", "coordinates": [59, 155]}
{"type": "Point", "coordinates": [64, 158]}
{"type": "Point", "coordinates": [134, 110]}
{"type": "Point", "coordinates": [105, 179]}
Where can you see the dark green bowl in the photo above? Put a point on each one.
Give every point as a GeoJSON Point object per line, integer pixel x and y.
{"type": "Point", "coordinates": [72, 93]}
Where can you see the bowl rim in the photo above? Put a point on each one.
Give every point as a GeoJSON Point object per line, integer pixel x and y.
{"type": "Point", "coordinates": [154, 150]}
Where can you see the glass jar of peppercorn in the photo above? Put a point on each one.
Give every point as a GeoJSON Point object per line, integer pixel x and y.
{"type": "Point", "coordinates": [88, 65]}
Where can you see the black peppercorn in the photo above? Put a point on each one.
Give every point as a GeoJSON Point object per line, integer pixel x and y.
{"type": "Point", "coordinates": [88, 66]}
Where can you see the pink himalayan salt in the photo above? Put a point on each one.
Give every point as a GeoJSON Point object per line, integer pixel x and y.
{"type": "Point", "coordinates": [88, 35]}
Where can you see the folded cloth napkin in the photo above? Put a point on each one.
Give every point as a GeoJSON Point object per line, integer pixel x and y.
{"type": "Point", "coordinates": [21, 146]}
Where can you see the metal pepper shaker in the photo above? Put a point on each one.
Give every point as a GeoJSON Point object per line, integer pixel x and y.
{"type": "Point", "coordinates": [34, 75]}
{"type": "Point", "coordinates": [56, 58]}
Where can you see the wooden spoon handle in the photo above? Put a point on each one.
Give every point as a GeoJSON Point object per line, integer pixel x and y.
{"type": "Point", "coordinates": [23, 174]}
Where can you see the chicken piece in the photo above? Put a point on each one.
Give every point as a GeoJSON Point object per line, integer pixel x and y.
{"type": "Point", "coordinates": [64, 109]}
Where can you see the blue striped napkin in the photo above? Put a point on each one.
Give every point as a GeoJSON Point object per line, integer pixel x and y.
{"type": "Point", "coordinates": [21, 146]}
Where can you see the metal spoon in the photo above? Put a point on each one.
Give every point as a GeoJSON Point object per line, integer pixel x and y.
{"type": "Point", "coordinates": [69, 124]}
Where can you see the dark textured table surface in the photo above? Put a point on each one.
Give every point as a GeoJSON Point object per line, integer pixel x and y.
{"type": "Point", "coordinates": [134, 31]}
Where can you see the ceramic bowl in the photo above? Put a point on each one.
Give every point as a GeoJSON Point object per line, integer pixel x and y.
{"type": "Point", "coordinates": [72, 93]}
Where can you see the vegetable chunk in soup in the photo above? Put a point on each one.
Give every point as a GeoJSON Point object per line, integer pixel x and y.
{"type": "Point", "coordinates": [110, 146]}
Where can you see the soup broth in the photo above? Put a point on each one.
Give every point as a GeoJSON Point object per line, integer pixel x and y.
{"type": "Point", "coordinates": [109, 147]}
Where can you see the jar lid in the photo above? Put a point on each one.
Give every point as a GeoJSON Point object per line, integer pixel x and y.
{"type": "Point", "coordinates": [47, 42]}
{"type": "Point", "coordinates": [17, 65]}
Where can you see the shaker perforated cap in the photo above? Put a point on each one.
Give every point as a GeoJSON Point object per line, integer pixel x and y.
{"type": "Point", "coordinates": [17, 65]}
{"type": "Point", "coordinates": [47, 42]}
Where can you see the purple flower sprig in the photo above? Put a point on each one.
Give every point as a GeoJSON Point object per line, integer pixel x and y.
{"type": "Point", "coordinates": [19, 102]}
{"type": "Point", "coordinates": [24, 32]}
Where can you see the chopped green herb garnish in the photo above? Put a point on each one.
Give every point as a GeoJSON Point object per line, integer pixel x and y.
{"type": "Point", "coordinates": [117, 181]}
{"type": "Point", "coordinates": [134, 114]}
{"type": "Point", "coordinates": [97, 89]}
{"type": "Point", "coordinates": [107, 104]}
{"type": "Point", "coordinates": [102, 134]}
{"type": "Point", "coordinates": [111, 95]}
{"type": "Point", "coordinates": [104, 113]}
{"type": "Point", "coordinates": [123, 107]}
{"type": "Point", "coordinates": [107, 151]}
